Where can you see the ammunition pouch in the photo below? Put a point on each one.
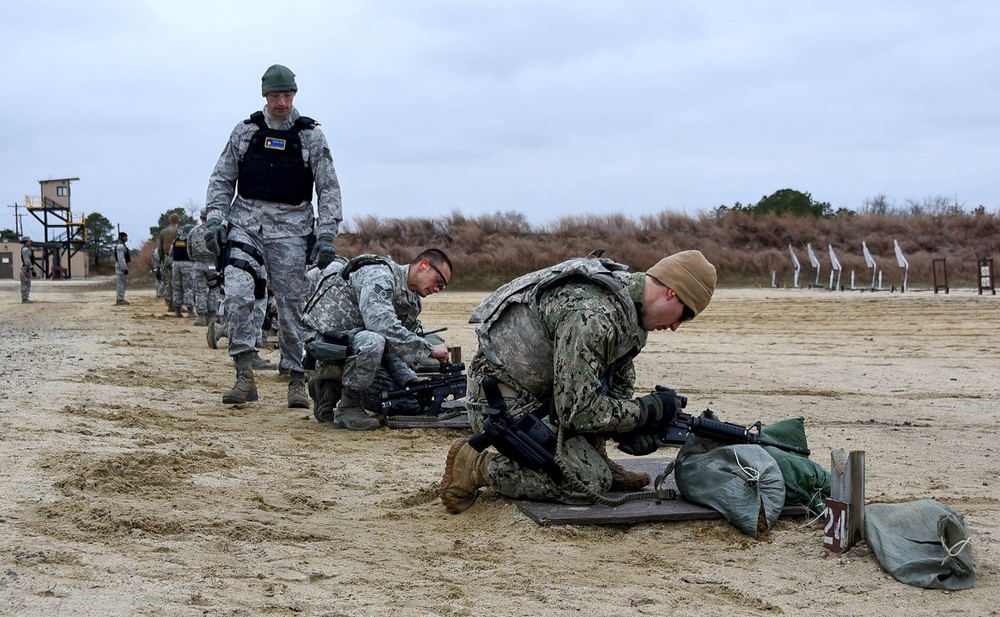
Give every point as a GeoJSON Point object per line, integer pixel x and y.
{"type": "Point", "coordinates": [527, 440]}
{"type": "Point", "coordinates": [331, 347]}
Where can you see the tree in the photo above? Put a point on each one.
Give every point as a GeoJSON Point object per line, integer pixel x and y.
{"type": "Point", "coordinates": [164, 220]}
{"type": "Point", "coordinates": [789, 201]}
{"type": "Point", "coordinates": [100, 235]}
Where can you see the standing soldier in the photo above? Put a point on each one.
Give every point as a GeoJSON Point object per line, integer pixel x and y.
{"type": "Point", "coordinates": [27, 268]}
{"type": "Point", "coordinates": [122, 259]}
{"type": "Point", "coordinates": [166, 242]}
{"type": "Point", "coordinates": [206, 297]}
{"type": "Point", "coordinates": [262, 186]}
{"type": "Point", "coordinates": [158, 271]}
{"type": "Point", "coordinates": [183, 274]}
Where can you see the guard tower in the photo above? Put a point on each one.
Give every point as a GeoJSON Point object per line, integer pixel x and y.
{"type": "Point", "coordinates": [65, 232]}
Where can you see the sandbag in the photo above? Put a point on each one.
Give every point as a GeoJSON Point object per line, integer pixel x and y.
{"type": "Point", "coordinates": [806, 482]}
{"type": "Point", "coordinates": [741, 482]}
{"type": "Point", "coordinates": [922, 543]}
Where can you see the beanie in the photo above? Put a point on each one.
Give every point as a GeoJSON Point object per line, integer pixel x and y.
{"type": "Point", "coordinates": [277, 78]}
{"type": "Point", "coordinates": [690, 275]}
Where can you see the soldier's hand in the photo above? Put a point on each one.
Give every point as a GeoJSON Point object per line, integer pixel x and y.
{"type": "Point", "coordinates": [215, 236]}
{"type": "Point", "coordinates": [440, 352]}
{"type": "Point", "coordinates": [657, 409]}
{"type": "Point", "coordinates": [638, 444]}
{"type": "Point", "coordinates": [323, 252]}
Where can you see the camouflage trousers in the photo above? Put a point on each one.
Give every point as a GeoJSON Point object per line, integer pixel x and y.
{"type": "Point", "coordinates": [206, 299]}
{"type": "Point", "coordinates": [284, 270]}
{"type": "Point", "coordinates": [582, 455]}
{"type": "Point", "coordinates": [120, 282]}
{"type": "Point", "coordinates": [168, 278]}
{"type": "Point", "coordinates": [25, 283]}
{"type": "Point", "coordinates": [183, 283]}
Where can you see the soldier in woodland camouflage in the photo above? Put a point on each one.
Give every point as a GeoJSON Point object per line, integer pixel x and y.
{"type": "Point", "coordinates": [262, 188]}
{"type": "Point", "coordinates": [377, 302]}
{"type": "Point", "coordinates": [563, 339]}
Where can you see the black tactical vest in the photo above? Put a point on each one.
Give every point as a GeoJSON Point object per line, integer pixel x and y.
{"type": "Point", "coordinates": [180, 251]}
{"type": "Point", "coordinates": [273, 168]}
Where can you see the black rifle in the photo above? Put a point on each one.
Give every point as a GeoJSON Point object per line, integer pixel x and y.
{"type": "Point", "coordinates": [428, 393]}
{"type": "Point", "coordinates": [676, 433]}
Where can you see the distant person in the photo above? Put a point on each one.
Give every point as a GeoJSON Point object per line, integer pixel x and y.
{"type": "Point", "coordinates": [164, 243]}
{"type": "Point", "coordinates": [182, 278]}
{"type": "Point", "coordinates": [559, 344]}
{"type": "Point", "coordinates": [122, 259]}
{"type": "Point", "coordinates": [27, 269]}
{"type": "Point", "coordinates": [262, 188]}
{"type": "Point", "coordinates": [376, 303]}
{"type": "Point", "coordinates": [157, 267]}
{"type": "Point", "coordinates": [206, 294]}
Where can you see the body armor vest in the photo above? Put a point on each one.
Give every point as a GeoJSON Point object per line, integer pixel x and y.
{"type": "Point", "coordinates": [333, 306]}
{"type": "Point", "coordinates": [511, 332]}
{"type": "Point", "coordinates": [179, 251]}
{"type": "Point", "coordinates": [272, 169]}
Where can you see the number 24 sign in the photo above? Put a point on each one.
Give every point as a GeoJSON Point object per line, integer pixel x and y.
{"type": "Point", "coordinates": [835, 530]}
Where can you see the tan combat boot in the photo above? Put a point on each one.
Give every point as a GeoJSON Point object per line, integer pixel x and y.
{"type": "Point", "coordinates": [297, 396]}
{"type": "Point", "coordinates": [350, 415]}
{"type": "Point", "coordinates": [465, 472]}
{"type": "Point", "coordinates": [245, 389]}
{"type": "Point", "coordinates": [622, 479]}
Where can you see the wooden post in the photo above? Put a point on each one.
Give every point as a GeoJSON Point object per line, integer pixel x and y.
{"type": "Point", "coordinates": [456, 353]}
{"type": "Point", "coordinates": [986, 277]}
{"type": "Point", "coordinates": [845, 512]}
{"type": "Point", "coordinates": [943, 283]}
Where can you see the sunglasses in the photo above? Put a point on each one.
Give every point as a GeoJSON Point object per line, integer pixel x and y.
{"type": "Point", "coordinates": [444, 280]}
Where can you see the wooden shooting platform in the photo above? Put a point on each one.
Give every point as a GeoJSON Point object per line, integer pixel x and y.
{"type": "Point", "coordinates": [449, 409]}
{"type": "Point", "coordinates": [641, 511]}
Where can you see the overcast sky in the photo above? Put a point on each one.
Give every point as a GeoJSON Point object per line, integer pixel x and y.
{"type": "Point", "coordinates": [547, 108]}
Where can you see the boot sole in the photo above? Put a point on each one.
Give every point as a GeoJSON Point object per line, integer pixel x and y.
{"type": "Point", "coordinates": [446, 480]}
{"type": "Point", "coordinates": [236, 400]}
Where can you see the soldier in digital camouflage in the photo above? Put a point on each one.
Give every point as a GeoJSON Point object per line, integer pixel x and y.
{"type": "Point", "coordinates": [559, 343]}
{"type": "Point", "coordinates": [262, 189]}
{"type": "Point", "coordinates": [375, 303]}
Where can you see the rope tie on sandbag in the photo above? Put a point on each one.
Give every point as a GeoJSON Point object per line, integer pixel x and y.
{"type": "Point", "coordinates": [954, 551]}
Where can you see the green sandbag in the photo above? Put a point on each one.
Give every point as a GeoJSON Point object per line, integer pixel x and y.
{"type": "Point", "coordinates": [806, 482]}
{"type": "Point", "coordinates": [741, 482]}
{"type": "Point", "coordinates": [922, 543]}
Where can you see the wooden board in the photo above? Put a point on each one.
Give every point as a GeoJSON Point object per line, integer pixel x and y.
{"type": "Point", "coordinates": [642, 511]}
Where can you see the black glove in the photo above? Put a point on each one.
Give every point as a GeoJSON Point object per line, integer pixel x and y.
{"type": "Point", "coordinates": [657, 409]}
{"type": "Point", "coordinates": [323, 252]}
{"type": "Point", "coordinates": [215, 236]}
{"type": "Point", "coordinates": [638, 444]}
{"type": "Point", "coordinates": [125, 272]}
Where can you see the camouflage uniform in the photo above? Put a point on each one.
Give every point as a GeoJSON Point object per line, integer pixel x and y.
{"type": "Point", "coordinates": [569, 342]}
{"type": "Point", "coordinates": [158, 271]}
{"type": "Point", "coordinates": [279, 235]}
{"type": "Point", "coordinates": [376, 305]}
{"type": "Point", "coordinates": [183, 275]}
{"type": "Point", "coordinates": [121, 270]}
{"type": "Point", "coordinates": [27, 264]}
{"type": "Point", "coordinates": [167, 236]}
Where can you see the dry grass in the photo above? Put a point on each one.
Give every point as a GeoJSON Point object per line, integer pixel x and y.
{"type": "Point", "coordinates": [490, 249]}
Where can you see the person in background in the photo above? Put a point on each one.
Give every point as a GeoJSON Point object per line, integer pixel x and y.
{"type": "Point", "coordinates": [27, 269]}
{"type": "Point", "coordinates": [122, 259]}
{"type": "Point", "coordinates": [165, 243]}
{"type": "Point", "coordinates": [262, 188]}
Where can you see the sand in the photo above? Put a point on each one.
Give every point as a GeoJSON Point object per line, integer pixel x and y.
{"type": "Point", "coordinates": [127, 488]}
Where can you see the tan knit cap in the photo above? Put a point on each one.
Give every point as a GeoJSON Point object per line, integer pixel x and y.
{"type": "Point", "coordinates": [690, 275]}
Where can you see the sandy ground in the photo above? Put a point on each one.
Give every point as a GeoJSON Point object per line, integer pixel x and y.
{"type": "Point", "coordinates": [127, 488]}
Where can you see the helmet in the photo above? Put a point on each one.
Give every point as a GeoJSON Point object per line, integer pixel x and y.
{"type": "Point", "coordinates": [25, 239]}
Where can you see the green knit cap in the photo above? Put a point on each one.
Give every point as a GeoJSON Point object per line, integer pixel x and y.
{"type": "Point", "coordinates": [277, 78]}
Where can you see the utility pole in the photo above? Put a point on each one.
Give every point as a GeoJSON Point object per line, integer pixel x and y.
{"type": "Point", "coordinates": [17, 220]}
